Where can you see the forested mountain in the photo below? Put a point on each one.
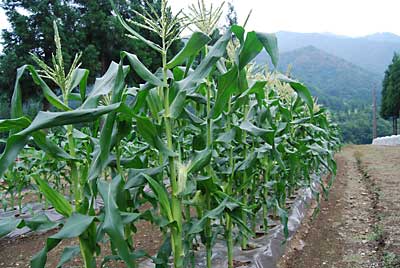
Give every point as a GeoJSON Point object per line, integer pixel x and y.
{"type": "Point", "coordinates": [373, 52]}
{"type": "Point", "coordinates": [338, 84]}
{"type": "Point", "coordinates": [343, 87]}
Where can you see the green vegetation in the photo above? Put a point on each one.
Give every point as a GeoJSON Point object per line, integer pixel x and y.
{"type": "Point", "coordinates": [391, 92]}
{"type": "Point", "coordinates": [354, 50]}
{"type": "Point", "coordinates": [217, 141]}
{"type": "Point", "coordinates": [391, 260]}
{"type": "Point", "coordinates": [344, 88]}
{"type": "Point", "coordinates": [356, 125]}
{"type": "Point", "coordinates": [88, 26]}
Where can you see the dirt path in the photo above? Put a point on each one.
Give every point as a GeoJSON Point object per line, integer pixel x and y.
{"type": "Point", "coordinates": [359, 225]}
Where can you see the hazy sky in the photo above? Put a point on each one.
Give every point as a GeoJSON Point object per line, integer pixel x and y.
{"type": "Point", "coordinates": [3, 20]}
{"type": "Point", "coordinates": [345, 17]}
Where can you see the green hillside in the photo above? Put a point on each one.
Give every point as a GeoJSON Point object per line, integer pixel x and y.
{"type": "Point", "coordinates": [345, 88]}
{"type": "Point", "coordinates": [339, 84]}
{"type": "Point", "coordinates": [372, 52]}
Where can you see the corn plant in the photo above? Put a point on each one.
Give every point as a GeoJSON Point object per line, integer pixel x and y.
{"type": "Point", "coordinates": [218, 141]}
{"type": "Point", "coordinates": [16, 180]}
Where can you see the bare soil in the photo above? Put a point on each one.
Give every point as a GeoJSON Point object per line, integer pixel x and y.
{"type": "Point", "coordinates": [359, 225]}
{"type": "Point", "coordinates": [18, 252]}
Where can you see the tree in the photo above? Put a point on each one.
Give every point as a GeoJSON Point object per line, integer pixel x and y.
{"type": "Point", "coordinates": [107, 38]}
{"type": "Point", "coordinates": [85, 25]}
{"type": "Point", "coordinates": [390, 107]}
{"type": "Point", "coordinates": [32, 32]}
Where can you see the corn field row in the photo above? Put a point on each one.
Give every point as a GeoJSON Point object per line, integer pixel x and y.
{"type": "Point", "coordinates": [217, 139]}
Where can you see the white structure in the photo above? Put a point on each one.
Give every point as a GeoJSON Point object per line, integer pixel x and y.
{"type": "Point", "coordinates": [388, 140]}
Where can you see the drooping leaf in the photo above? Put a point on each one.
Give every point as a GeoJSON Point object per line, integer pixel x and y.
{"type": "Point", "coordinates": [177, 104]}
{"type": "Point", "coordinates": [247, 163]}
{"type": "Point", "coordinates": [163, 254]}
{"type": "Point", "coordinates": [198, 226]}
{"type": "Point", "coordinates": [149, 132]}
{"type": "Point", "coordinates": [16, 100]}
{"type": "Point", "coordinates": [134, 33]}
{"type": "Point", "coordinates": [226, 87]}
{"type": "Point", "coordinates": [142, 70]}
{"type": "Point", "coordinates": [49, 146]}
{"type": "Point", "coordinates": [227, 137]}
{"type": "Point", "coordinates": [200, 160]}
{"type": "Point", "coordinates": [7, 225]}
{"type": "Point", "coordinates": [113, 221]}
{"type": "Point", "coordinates": [284, 218]}
{"type": "Point", "coordinates": [162, 196]}
{"type": "Point", "coordinates": [270, 43]}
{"type": "Point", "coordinates": [40, 222]}
{"type": "Point", "coordinates": [43, 120]}
{"type": "Point", "coordinates": [76, 225]}
{"type": "Point", "coordinates": [14, 124]}
{"type": "Point", "coordinates": [239, 32]}
{"type": "Point", "coordinates": [52, 119]}
{"type": "Point", "coordinates": [57, 200]}
{"type": "Point", "coordinates": [16, 103]}
{"type": "Point", "coordinates": [304, 94]}
{"type": "Point", "coordinates": [101, 154]}
{"type": "Point", "coordinates": [68, 254]}
{"type": "Point", "coordinates": [146, 129]}
{"type": "Point", "coordinates": [196, 42]}
{"type": "Point", "coordinates": [216, 52]}
{"type": "Point", "coordinates": [136, 176]}
{"type": "Point", "coordinates": [79, 78]}
{"type": "Point", "coordinates": [252, 129]}
{"type": "Point", "coordinates": [251, 48]}
{"type": "Point", "coordinates": [14, 145]}
{"type": "Point", "coordinates": [103, 86]}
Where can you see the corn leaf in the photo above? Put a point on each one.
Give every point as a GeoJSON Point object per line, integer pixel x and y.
{"type": "Point", "coordinates": [200, 160]}
{"type": "Point", "coordinates": [112, 224]}
{"type": "Point", "coordinates": [162, 197]}
{"type": "Point", "coordinates": [142, 70]}
{"type": "Point", "coordinates": [251, 48]}
{"type": "Point", "coordinates": [14, 124]}
{"type": "Point", "coordinates": [57, 200]}
{"type": "Point", "coordinates": [76, 225]}
{"type": "Point", "coordinates": [79, 77]}
{"type": "Point", "coordinates": [47, 93]}
{"type": "Point", "coordinates": [68, 254]}
{"type": "Point", "coordinates": [216, 52]}
{"type": "Point", "coordinates": [103, 86]}
{"type": "Point", "coordinates": [178, 104]}
{"type": "Point", "coordinates": [270, 43]}
{"type": "Point", "coordinates": [7, 225]}
{"type": "Point", "coordinates": [195, 43]}
{"type": "Point", "coordinates": [198, 226]}
{"type": "Point", "coordinates": [43, 120]}
{"type": "Point", "coordinates": [149, 132]}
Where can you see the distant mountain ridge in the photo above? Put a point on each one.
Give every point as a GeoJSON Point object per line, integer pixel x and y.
{"type": "Point", "coordinates": [337, 83]}
{"type": "Point", "coordinates": [342, 72]}
{"type": "Point", "coordinates": [383, 37]}
{"type": "Point", "coordinates": [343, 87]}
{"type": "Point", "coordinates": [373, 52]}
